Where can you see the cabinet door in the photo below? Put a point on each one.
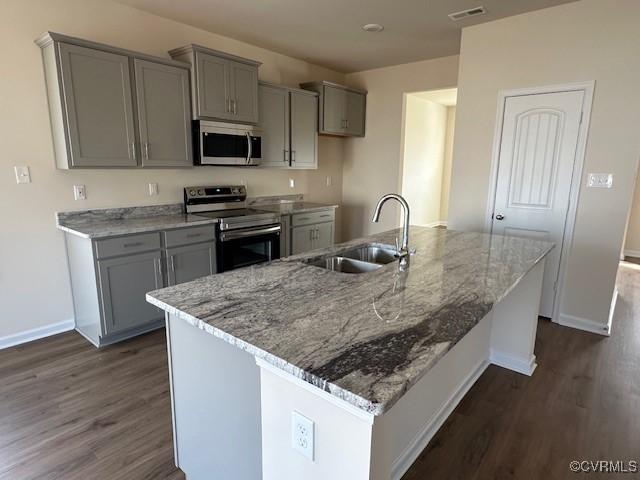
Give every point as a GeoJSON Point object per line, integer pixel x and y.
{"type": "Point", "coordinates": [188, 263]}
{"type": "Point", "coordinates": [274, 121]}
{"type": "Point", "coordinates": [213, 86]}
{"type": "Point", "coordinates": [302, 238]}
{"type": "Point", "coordinates": [124, 282]}
{"type": "Point", "coordinates": [164, 114]}
{"type": "Point", "coordinates": [244, 92]}
{"type": "Point", "coordinates": [99, 107]}
{"type": "Point", "coordinates": [304, 130]}
{"type": "Point", "coordinates": [355, 115]}
{"type": "Point", "coordinates": [323, 236]}
{"type": "Point", "coordinates": [334, 107]}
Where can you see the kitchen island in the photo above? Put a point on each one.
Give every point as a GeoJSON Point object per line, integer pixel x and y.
{"type": "Point", "coordinates": [376, 360]}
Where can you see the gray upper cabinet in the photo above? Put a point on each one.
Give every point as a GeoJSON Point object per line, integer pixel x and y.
{"type": "Point", "coordinates": [304, 127]}
{"type": "Point", "coordinates": [162, 94]}
{"type": "Point", "coordinates": [190, 262]}
{"type": "Point", "coordinates": [342, 110]}
{"type": "Point", "coordinates": [274, 121]}
{"type": "Point", "coordinates": [124, 282]}
{"type": "Point", "coordinates": [288, 118]}
{"type": "Point", "coordinates": [111, 107]}
{"type": "Point", "coordinates": [224, 86]}
{"type": "Point", "coordinates": [97, 97]}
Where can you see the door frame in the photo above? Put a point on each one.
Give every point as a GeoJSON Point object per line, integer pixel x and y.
{"type": "Point", "coordinates": [588, 88]}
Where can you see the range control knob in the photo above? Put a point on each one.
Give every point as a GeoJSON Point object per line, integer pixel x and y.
{"type": "Point", "coordinates": [200, 192]}
{"type": "Point", "coordinates": [192, 192]}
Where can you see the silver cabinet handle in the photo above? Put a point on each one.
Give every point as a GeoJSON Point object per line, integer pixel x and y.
{"type": "Point", "coordinates": [284, 155]}
{"type": "Point", "coordinates": [499, 216]}
{"type": "Point", "coordinates": [133, 150]}
{"type": "Point", "coordinates": [173, 266]}
{"type": "Point", "coordinates": [232, 105]}
{"type": "Point", "coordinates": [146, 150]}
{"type": "Point", "coordinates": [293, 155]}
{"type": "Point", "coordinates": [227, 105]}
{"type": "Point", "coordinates": [159, 267]}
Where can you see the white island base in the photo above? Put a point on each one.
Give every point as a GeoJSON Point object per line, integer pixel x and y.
{"type": "Point", "coordinates": [232, 414]}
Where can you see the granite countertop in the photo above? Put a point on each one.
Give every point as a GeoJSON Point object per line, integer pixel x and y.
{"type": "Point", "coordinates": [365, 338]}
{"type": "Point", "coordinates": [284, 208]}
{"type": "Point", "coordinates": [102, 223]}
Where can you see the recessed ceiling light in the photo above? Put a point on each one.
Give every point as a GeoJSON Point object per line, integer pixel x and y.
{"type": "Point", "coordinates": [372, 27]}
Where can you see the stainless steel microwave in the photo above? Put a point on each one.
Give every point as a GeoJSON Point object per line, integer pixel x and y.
{"type": "Point", "coordinates": [217, 143]}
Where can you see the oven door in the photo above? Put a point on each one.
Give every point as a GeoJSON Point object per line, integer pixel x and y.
{"type": "Point", "coordinates": [248, 246]}
{"type": "Point", "coordinates": [227, 144]}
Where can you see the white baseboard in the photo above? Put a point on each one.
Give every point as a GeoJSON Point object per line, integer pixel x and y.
{"type": "Point", "coordinates": [632, 253]}
{"type": "Point", "coordinates": [586, 324]}
{"type": "Point", "coordinates": [439, 223]}
{"type": "Point", "coordinates": [526, 367]}
{"type": "Point", "coordinates": [36, 333]}
{"type": "Point", "coordinates": [419, 443]}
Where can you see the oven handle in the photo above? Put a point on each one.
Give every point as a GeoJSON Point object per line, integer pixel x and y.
{"type": "Point", "coordinates": [225, 236]}
{"type": "Point", "coordinates": [250, 148]}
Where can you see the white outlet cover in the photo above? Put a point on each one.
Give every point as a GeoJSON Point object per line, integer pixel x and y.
{"type": "Point", "coordinates": [22, 174]}
{"type": "Point", "coordinates": [329, 181]}
{"type": "Point", "coordinates": [600, 180]}
{"type": "Point", "coordinates": [302, 434]}
{"type": "Point", "coordinates": [79, 192]}
{"type": "Point", "coordinates": [292, 183]}
{"type": "Point", "coordinates": [153, 189]}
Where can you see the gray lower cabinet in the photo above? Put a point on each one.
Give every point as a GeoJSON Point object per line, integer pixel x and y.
{"type": "Point", "coordinates": [110, 278]}
{"type": "Point", "coordinates": [190, 262]}
{"type": "Point", "coordinates": [288, 118]}
{"type": "Point", "coordinates": [310, 231]}
{"type": "Point", "coordinates": [113, 108]}
{"type": "Point", "coordinates": [164, 114]}
{"type": "Point", "coordinates": [341, 109]}
{"type": "Point", "coordinates": [124, 282]}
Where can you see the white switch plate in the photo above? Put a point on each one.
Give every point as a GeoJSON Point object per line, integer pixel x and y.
{"type": "Point", "coordinates": [302, 434]}
{"type": "Point", "coordinates": [79, 192]}
{"type": "Point", "coordinates": [329, 181]}
{"type": "Point", "coordinates": [22, 174]}
{"type": "Point", "coordinates": [292, 183]}
{"type": "Point", "coordinates": [153, 189]}
{"type": "Point", "coordinates": [600, 180]}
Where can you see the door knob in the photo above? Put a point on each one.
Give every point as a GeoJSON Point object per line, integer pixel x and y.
{"type": "Point", "coordinates": [499, 216]}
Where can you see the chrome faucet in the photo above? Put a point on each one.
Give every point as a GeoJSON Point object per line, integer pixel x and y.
{"type": "Point", "coordinates": [403, 250]}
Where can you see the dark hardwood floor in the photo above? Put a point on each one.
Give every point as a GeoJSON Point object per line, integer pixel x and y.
{"type": "Point", "coordinates": [69, 411]}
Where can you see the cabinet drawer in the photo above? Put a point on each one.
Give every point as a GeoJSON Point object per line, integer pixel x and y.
{"type": "Point", "coordinates": [312, 217]}
{"type": "Point", "coordinates": [113, 247]}
{"type": "Point", "coordinates": [185, 236]}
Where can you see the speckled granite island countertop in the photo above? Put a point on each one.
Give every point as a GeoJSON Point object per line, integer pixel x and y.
{"type": "Point", "coordinates": [365, 338]}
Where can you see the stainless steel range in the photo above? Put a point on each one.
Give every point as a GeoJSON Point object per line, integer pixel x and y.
{"type": "Point", "coordinates": [244, 236]}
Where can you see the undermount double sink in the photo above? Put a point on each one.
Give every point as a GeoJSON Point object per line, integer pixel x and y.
{"type": "Point", "coordinates": [358, 260]}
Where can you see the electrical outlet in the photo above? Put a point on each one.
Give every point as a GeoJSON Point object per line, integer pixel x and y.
{"type": "Point", "coordinates": [329, 181]}
{"type": "Point", "coordinates": [153, 189]}
{"type": "Point", "coordinates": [245, 183]}
{"type": "Point", "coordinates": [302, 434]}
{"type": "Point", "coordinates": [22, 174]}
{"type": "Point", "coordinates": [292, 183]}
{"type": "Point", "coordinates": [79, 192]}
{"type": "Point", "coordinates": [600, 180]}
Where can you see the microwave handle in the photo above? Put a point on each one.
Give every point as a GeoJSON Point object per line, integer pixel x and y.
{"type": "Point", "coordinates": [250, 148]}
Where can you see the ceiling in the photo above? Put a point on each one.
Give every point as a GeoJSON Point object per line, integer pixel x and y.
{"type": "Point", "coordinates": [447, 97]}
{"type": "Point", "coordinates": [329, 33]}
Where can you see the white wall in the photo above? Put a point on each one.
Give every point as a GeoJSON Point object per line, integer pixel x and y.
{"type": "Point", "coordinates": [448, 163]}
{"type": "Point", "coordinates": [582, 41]}
{"type": "Point", "coordinates": [34, 283]}
{"type": "Point", "coordinates": [372, 165]}
{"type": "Point", "coordinates": [423, 158]}
{"type": "Point", "coordinates": [632, 236]}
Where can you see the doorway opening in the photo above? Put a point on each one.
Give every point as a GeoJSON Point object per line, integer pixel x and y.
{"type": "Point", "coordinates": [429, 119]}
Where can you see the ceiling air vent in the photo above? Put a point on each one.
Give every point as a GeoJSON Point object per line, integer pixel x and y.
{"type": "Point", "coordinates": [471, 12]}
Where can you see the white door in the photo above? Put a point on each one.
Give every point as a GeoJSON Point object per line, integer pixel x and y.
{"type": "Point", "coordinates": [537, 155]}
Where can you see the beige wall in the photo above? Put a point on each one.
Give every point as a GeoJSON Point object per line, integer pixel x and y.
{"type": "Point", "coordinates": [372, 164]}
{"type": "Point", "coordinates": [34, 282]}
{"type": "Point", "coordinates": [423, 158]}
{"type": "Point", "coordinates": [448, 163]}
{"type": "Point", "coordinates": [582, 41]}
{"type": "Point", "coordinates": [632, 236]}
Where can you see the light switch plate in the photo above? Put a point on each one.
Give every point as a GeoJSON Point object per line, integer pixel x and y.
{"type": "Point", "coordinates": [329, 181]}
{"type": "Point", "coordinates": [79, 192]}
{"type": "Point", "coordinates": [292, 183]}
{"type": "Point", "coordinates": [600, 180]}
{"type": "Point", "coordinates": [153, 189]}
{"type": "Point", "coordinates": [22, 174]}
{"type": "Point", "coordinates": [302, 434]}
